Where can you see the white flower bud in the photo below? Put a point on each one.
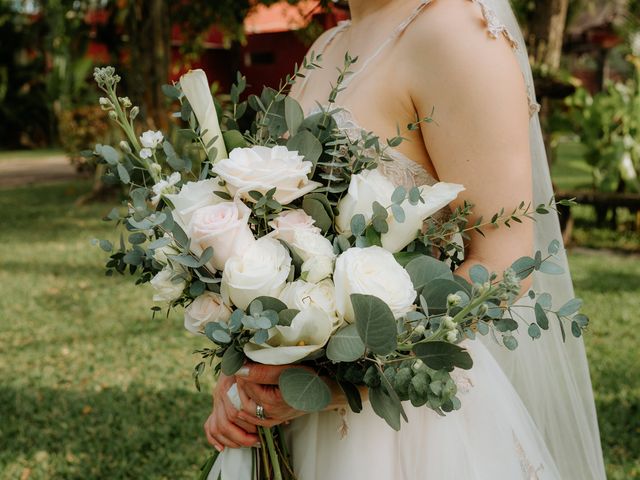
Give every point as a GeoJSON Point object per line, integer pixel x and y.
{"type": "Point", "coordinates": [419, 330]}
{"type": "Point", "coordinates": [417, 365]}
{"type": "Point", "coordinates": [482, 310]}
{"type": "Point", "coordinates": [124, 146]}
{"type": "Point", "coordinates": [453, 299]}
{"type": "Point", "coordinates": [146, 153]}
{"type": "Point", "coordinates": [124, 101]}
{"type": "Point", "coordinates": [448, 323]}
{"type": "Point", "coordinates": [452, 336]}
{"type": "Point", "coordinates": [113, 115]}
{"type": "Point", "coordinates": [134, 112]}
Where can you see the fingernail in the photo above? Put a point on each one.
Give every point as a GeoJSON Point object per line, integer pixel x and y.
{"type": "Point", "coordinates": [243, 372]}
{"type": "Point", "coordinates": [257, 445]}
{"type": "Point", "coordinates": [219, 448]}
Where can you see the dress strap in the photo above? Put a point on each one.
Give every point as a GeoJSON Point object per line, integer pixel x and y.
{"type": "Point", "coordinates": [331, 35]}
{"type": "Point", "coordinates": [394, 35]}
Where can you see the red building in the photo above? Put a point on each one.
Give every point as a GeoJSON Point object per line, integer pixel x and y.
{"type": "Point", "coordinates": [272, 48]}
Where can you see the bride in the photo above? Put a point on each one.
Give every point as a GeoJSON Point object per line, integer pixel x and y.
{"type": "Point", "coordinates": [527, 414]}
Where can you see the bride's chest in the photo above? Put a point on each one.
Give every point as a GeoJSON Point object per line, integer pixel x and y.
{"type": "Point", "coordinates": [378, 99]}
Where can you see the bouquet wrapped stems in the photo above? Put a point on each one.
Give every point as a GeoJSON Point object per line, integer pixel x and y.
{"type": "Point", "coordinates": [269, 461]}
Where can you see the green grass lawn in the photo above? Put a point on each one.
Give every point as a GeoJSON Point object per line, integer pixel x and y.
{"type": "Point", "coordinates": [92, 387]}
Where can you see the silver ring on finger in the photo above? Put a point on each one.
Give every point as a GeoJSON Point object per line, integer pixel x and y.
{"type": "Point", "coordinates": [260, 412]}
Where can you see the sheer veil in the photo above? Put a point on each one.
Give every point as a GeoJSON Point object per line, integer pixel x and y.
{"type": "Point", "coordinates": [551, 377]}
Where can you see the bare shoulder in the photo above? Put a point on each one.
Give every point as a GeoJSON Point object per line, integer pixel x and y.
{"type": "Point", "coordinates": [451, 39]}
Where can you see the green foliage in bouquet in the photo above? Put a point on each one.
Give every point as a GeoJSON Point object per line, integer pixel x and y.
{"type": "Point", "coordinates": [328, 229]}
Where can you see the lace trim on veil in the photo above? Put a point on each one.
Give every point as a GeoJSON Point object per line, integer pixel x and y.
{"type": "Point", "coordinates": [496, 28]}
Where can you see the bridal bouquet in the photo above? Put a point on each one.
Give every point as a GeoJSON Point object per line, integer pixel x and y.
{"type": "Point", "coordinates": [286, 245]}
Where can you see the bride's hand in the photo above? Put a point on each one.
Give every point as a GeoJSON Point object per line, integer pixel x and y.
{"type": "Point", "coordinates": [224, 428]}
{"type": "Point", "coordinates": [258, 385]}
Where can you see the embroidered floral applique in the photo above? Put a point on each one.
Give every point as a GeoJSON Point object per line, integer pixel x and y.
{"type": "Point", "coordinates": [528, 470]}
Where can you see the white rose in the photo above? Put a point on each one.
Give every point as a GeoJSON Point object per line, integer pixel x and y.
{"type": "Point", "coordinates": [195, 87]}
{"type": "Point", "coordinates": [301, 295]}
{"type": "Point", "coordinates": [208, 307]}
{"type": "Point", "coordinates": [223, 227]}
{"type": "Point", "coordinates": [192, 196]}
{"type": "Point", "coordinates": [372, 271]}
{"type": "Point", "coordinates": [371, 185]}
{"type": "Point", "coordinates": [261, 270]}
{"type": "Point", "coordinates": [318, 268]}
{"type": "Point", "coordinates": [309, 332]}
{"type": "Point", "coordinates": [308, 244]}
{"type": "Point", "coordinates": [168, 285]}
{"type": "Point", "coordinates": [151, 139]}
{"type": "Point", "coordinates": [166, 186]}
{"type": "Point", "coordinates": [287, 223]}
{"type": "Point", "coordinates": [261, 168]}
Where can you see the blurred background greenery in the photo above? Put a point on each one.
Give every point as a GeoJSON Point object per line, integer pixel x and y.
{"type": "Point", "coordinates": [90, 385]}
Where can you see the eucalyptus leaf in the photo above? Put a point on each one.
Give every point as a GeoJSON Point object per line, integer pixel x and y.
{"type": "Point", "coordinates": [425, 269]}
{"type": "Point", "coordinates": [286, 316]}
{"type": "Point", "coordinates": [534, 331]}
{"type": "Point", "coordinates": [375, 323]}
{"type": "Point", "coordinates": [271, 303]}
{"type": "Point", "coordinates": [123, 173]}
{"type": "Point", "coordinates": [510, 342]}
{"type": "Point", "coordinates": [551, 268]}
{"type": "Point", "coordinates": [293, 114]}
{"type": "Point", "coordinates": [541, 317]}
{"type": "Point", "coordinates": [316, 210]}
{"type": "Point", "coordinates": [443, 355]}
{"type": "Point", "coordinates": [345, 345]}
{"type": "Point", "coordinates": [398, 213]}
{"type": "Point", "coordinates": [385, 407]}
{"type": "Point", "coordinates": [358, 224]}
{"type": "Point", "coordinates": [479, 274]}
{"type": "Point", "coordinates": [523, 267]}
{"type": "Point", "coordinates": [571, 307]}
{"type": "Point", "coordinates": [106, 245]}
{"type": "Point", "coordinates": [353, 396]}
{"type": "Point", "coordinates": [232, 360]}
{"type": "Point", "coordinates": [403, 258]}
{"type": "Point", "coordinates": [186, 260]}
{"type": "Point", "coordinates": [436, 292]}
{"type": "Point", "coordinates": [110, 154]}
{"type": "Point", "coordinates": [304, 390]}
{"type": "Point", "coordinates": [399, 195]}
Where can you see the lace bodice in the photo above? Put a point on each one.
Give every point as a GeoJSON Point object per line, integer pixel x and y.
{"type": "Point", "coordinates": [401, 170]}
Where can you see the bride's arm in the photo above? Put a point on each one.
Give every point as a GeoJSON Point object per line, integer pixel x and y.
{"type": "Point", "coordinates": [481, 135]}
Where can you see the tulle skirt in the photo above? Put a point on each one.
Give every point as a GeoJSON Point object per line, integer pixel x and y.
{"type": "Point", "coordinates": [491, 438]}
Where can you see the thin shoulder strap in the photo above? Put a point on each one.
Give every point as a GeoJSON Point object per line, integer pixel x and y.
{"type": "Point", "coordinates": [331, 35]}
{"type": "Point", "coordinates": [394, 35]}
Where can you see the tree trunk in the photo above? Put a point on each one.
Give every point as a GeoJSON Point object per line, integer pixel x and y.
{"type": "Point", "coordinates": [547, 29]}
{"type": "Point", "coordinates": [549, 22]}
{"type": "Point", "coordinates": [149, 29]}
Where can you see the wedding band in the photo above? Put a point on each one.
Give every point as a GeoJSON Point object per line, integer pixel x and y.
{"type": "Point", "coordinates": [260, 412]}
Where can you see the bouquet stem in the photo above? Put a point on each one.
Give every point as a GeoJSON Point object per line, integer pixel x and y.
{"type": "Point", "coordinates": [273, 454]}
{"type": "Point", "coordinates": [271, 460]}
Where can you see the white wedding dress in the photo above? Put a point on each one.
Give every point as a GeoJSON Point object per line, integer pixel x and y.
{"type": "Point", "coordinates": [527, 414]}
